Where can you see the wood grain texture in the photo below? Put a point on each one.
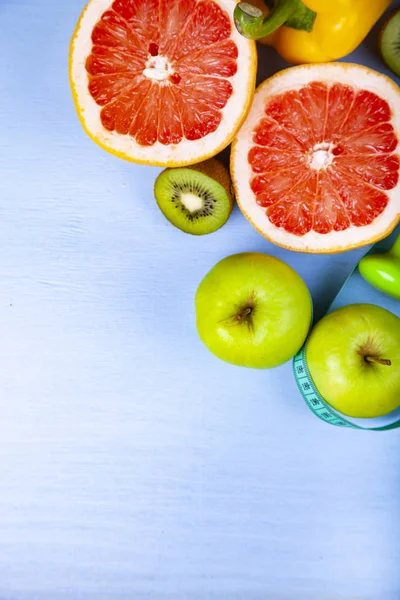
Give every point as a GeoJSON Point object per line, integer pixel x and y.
{"type": "Point", "coordinates": [133, 464]}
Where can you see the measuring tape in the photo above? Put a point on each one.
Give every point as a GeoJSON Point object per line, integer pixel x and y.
{"type": "Point", "coordinates": [306, 385]}
{"type": "Point", "coordinates": [315, 401]}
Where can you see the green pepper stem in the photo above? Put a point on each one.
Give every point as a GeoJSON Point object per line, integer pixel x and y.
{"type": "Point", "coordinates": [252, 24]}
{"type": "Point", "coordinates": [250, 21]}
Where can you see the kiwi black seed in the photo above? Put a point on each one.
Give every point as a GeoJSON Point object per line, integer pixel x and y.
{"type": "Point", "coordinates": [196, 199]}
{"type": "Point", "coordinates": [389, 42]}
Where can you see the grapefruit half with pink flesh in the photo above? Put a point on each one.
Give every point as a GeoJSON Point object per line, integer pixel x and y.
{"type": "Point", "coordinates": [315, 166]}
{"type": "Point", "coordinates": [162, 82]}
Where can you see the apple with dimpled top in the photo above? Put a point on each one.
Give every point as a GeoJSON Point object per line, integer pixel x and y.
{"type": "Point", "coordinates": [253, 310]}
{"type": "Point", "coordinates": [353, 355]}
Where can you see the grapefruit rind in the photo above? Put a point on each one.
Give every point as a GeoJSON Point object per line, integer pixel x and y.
{"type": "Point", "coordinates": [124, 146]}
{"type": "Point", "coordinates": [292, 79]}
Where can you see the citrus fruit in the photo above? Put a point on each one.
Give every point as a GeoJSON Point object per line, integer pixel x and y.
{"type": "Point", "coordinates": [314, 166]}
{"type": "Point", "coordinates": [162, 82]}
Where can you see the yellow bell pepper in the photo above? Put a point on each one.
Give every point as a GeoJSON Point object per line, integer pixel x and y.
{"type": "Point", "coordinates": [312, 31]}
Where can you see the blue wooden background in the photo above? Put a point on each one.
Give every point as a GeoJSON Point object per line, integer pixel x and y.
{"type": "Point", "coordinates": [134, 464]}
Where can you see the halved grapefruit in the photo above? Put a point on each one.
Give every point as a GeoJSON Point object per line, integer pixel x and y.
{"type": "Point", "coordinates": [162, 82]}
{"type": "Point", "coordinates": [315, 166]}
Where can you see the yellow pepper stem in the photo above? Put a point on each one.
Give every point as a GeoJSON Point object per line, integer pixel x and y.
{"type": "Point", "coordinates": [252, 24]}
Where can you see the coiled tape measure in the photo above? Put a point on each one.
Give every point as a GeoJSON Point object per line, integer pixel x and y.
{"type": "Point", "coordinates": [354, 290]}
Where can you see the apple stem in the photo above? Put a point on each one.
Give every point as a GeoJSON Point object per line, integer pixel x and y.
{"type": "Point", "coordinates": [379, 361]}
{"type": "Point", "coordinates": [245, 313]}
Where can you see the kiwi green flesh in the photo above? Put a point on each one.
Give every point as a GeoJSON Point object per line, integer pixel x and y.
{"type": "Point", "coordinates": [192, 201]}
{"type": "Point", "coordinates": [389, 43]}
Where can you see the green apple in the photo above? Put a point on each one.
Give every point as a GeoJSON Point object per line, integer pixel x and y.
{"type": "Point", "coordinates": [353, 355]}
{"type": "Point", "coordinates": [253, 310]}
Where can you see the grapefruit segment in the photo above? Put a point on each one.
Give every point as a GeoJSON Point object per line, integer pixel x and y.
{"type": "Point", "coordinates": [282, 108]}
{"type": "Point", "coordinates": [144, 127]}
{"type": "Point", "coordinates": [340, 101]}
{"type": "Point", "coordinates": [270, 187]}
{"type": "Point", "coordinates": [367, 110]}
{"type": "Point", "coordinates": [167, 82]}
{"type": "Point", "coordinates": [207, 25]}
{"type": "Point", "coordinates": [219, 60]}
{"type": "Point", "coordinates": [380, 138]}
{"type": "Point", "coordinates": [315, 166]}
{"type": "Point", "coordinates": [265, 159]}
{"type": "Point", "coordinates": [104, 61]}
{"type": "Point", "coordinates": [169, 121]}
{"type": "Point", "coordinates": [117, 115]}
{"type": "Point", "coordinates": [271, 134]}
{"type": "Point", "coordinates": [106, 88]}
{"type": "Point", "coordinates": [362, 202]}
{"type": "Point", "coordinates": [142, 17]}
{"type": "Point", "coordinates": [330, 213]}
{"type": "Point", "coordinates": [173, 16]}
{"type": "Point", "coordinates": [294, 210]}
{"type": "Point", "coordinates": [314, 98]}
{"type": "Point", "coordinates": [380, 170]}
{"type": "Point", "coordinates": [113, 31]}
{"type": "Point", "coordinates": [198, 91]}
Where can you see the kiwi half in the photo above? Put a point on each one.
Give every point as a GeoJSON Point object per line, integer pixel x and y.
{"type": "Point", "coordinates": [389, 42]}
{"type": "Point", "coordinates": [196, 199]}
